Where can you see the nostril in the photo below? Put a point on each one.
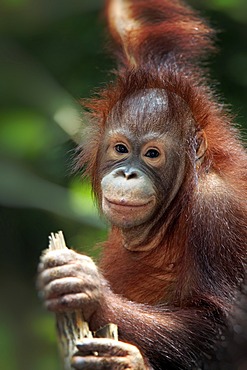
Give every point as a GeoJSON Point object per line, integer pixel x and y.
{"type": "Point", "coordinates": [119, 173]}
{"type": "Point", "coordinates": [131, 175]}
{"type": "Point", "coordinates": [128, 174]}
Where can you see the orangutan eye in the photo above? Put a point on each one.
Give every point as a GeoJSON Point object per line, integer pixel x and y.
{"type": "Point", "coordinates": [121, 148]}
{"type": "Point", "coordinates": [152, 153]}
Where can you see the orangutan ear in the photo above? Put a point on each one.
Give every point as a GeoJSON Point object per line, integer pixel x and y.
{"type": "Point", "coordinates": [201, 145]}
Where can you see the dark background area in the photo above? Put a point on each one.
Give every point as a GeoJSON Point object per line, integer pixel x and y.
{"type": "Point", "coordinates": [51, 55]}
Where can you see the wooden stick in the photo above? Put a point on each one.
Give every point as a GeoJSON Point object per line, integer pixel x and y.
{"type": "Point", "coordinates": [71, 327]}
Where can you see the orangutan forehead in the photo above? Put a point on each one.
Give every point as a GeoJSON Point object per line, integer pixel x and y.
{"type": "Point", "coordinates": [149, 110]}
{"type": "Point", "coordinates": [141, 111]}
{"type": "Point", "coordinates": [148, 101]}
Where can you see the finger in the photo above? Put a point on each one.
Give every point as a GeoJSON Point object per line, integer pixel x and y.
{"type": "Point", "coordinates": [70, 302]}
{"type": "Point", "coordinates": [99, 363]}
{"type": "Point", "coordinates": [70, 285]}
{"type": "Point", "coordinates": [68, 271]}
{"type": "Point", "coordinates": [53, 273]}
{"type": "Point", "coordinates": [57, 272]}
{"type": "Point", "coordinates": [103, 346]}
{"type": "Point", "coordinates": [52, 258]}
{"type": "Point", "coordinates": [62, 286]}
{"type": "Point", "coordinates": [40, 267]}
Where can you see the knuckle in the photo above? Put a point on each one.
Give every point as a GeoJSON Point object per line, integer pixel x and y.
{"type": "Point", "coordinates": [86, 258]}
{"type": "Point", "coordinates": [52, 305]}
{"type": "Point", "coordinates": [87, 261]}
{"type": "Point", "coordinates": [68, 300]}
{"type": "Point", "coordinates": [40, 267]}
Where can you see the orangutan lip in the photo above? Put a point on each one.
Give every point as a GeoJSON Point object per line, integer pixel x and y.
{"type": "Point", "coordinates": [126, 204]}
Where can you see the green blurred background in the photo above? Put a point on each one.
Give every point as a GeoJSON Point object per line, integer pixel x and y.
{"type": "Point", "coordinates": [51, 55]}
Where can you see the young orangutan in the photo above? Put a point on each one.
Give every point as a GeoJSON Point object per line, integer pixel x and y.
{"type": "Point", "coordinates": [170, 175]}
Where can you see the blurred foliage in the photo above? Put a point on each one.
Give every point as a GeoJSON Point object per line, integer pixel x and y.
{"type": "Point", "coordinates": [51, 55]}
